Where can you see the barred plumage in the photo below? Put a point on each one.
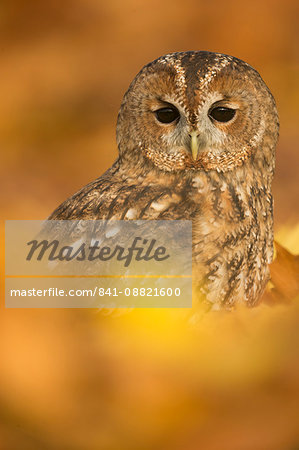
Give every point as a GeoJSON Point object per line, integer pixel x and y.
{"type": "Point", "coordinates": [225, 189]}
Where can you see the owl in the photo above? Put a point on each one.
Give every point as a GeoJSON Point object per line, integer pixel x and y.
{"type": "Point", "coordinates": [196, 134]}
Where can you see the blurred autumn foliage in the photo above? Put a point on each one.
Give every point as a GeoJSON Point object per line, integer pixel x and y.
{"type": "Point", "coordinates": [160, 379]}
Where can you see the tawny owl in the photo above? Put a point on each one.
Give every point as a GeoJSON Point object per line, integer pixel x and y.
{"type": "Point", "coordinates": [196, 134]}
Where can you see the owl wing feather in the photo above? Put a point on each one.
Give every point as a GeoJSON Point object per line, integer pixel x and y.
{"type": "Point", "coordinates": [115, 197]}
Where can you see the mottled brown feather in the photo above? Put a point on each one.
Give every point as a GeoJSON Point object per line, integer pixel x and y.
{"type": "Point", "coordinates": [226, 192]}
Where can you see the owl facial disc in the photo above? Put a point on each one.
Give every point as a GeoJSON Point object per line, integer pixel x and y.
{"type": "Point", "coordinates": [195, 111]}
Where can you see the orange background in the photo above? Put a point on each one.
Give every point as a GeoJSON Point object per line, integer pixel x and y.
{"type": "Point", "coordinates": [81, 380]}
{"type": "Point", "coordinates": [65, 67]}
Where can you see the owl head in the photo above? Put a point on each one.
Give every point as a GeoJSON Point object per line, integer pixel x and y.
{"type": "Point", "coordinates": [196, 111]}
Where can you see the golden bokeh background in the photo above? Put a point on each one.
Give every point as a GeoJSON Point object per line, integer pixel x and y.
{"type": "Point", "coordinates": [74, 379]}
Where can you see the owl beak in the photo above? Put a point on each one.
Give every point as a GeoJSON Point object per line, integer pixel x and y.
{"type": "Point", "coordinates": [194, 144]}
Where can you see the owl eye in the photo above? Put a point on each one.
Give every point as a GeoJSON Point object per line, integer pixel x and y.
{"type": "Point", "coordinates": [167, 115]}
{"type": "Point", "coordinates": [221, 114]}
